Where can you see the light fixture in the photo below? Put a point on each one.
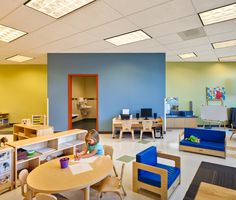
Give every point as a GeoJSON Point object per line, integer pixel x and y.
{"type": "Point", "coordinates": [187, 55]}
{"type": "Point", "coordinates": [127, 38]}
{"type": "Point", "coordinates": [19, 58]}
{"type": "Point", "coordinates": [218, 14]}
{"type": "Point", "coordinates": [228, 59]}
{"type": "Point", "coordinates": [57, 8]}
{"type": "Point", "coordinates": [224, 44]}
{"type": "Point", "coordinates": [8, 34]}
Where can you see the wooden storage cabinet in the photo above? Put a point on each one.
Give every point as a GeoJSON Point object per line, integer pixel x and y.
{"type": "Point", "coordinates": [4, 119]}
{"type": "Point", "coordinates": [46, 148]}
{"type": "Point", "coordinates": [181, 122]}
{"type": "Point", "coordinates": [21, 131]}
{"type": "Point", "coordinates": [6, 169]}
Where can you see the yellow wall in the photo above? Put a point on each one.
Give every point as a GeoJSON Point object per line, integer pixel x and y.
{"type": "Point", "coordinates": [188, 81]}
{"type": "Point", "coordinates": [23, 90]}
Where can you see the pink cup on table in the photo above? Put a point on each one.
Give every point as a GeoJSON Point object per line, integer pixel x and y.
{"type": "Point", "coordinates": [64, 162]}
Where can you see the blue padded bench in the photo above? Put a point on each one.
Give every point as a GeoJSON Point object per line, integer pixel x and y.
{"type": "Point", "coordinates": [151, 175]}
{"type": "Point", "coordinates": [212, 142]}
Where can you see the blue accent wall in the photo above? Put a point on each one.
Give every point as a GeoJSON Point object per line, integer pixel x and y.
{"type": "Point", "coordinates": [126, 80]}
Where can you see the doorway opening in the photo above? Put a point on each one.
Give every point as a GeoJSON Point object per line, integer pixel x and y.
{"type": "Point", "coordinates": [83, 101]}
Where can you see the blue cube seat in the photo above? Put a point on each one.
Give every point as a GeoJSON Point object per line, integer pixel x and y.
{"type": "Point", "coordinates": [153, 176]}
{"type": "Point", "coordinates": [149, 157]}
{"type": "Point", "coordinates": [155, 179]}
{"type": "Point", "coordinates": [205, 145]}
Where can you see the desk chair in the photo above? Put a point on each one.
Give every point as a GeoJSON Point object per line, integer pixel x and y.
{"type": "Point", "coordinates": [126, 127]}
{"type": "Point", "coordinates": [42, 196]}
{"type": "Point", "coordinates": [147, 127]}
{"type": "Point", "coordinates": [111, 184]}
{"type": "Point", "coordinates": [22, 178]}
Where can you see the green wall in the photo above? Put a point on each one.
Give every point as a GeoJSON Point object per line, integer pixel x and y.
{"type": "Point", "coordinates": [23, 90]}
{"type": "Point", "coordinates": [188, 81]}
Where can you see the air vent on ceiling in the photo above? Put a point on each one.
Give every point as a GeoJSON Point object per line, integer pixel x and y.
{"type": "Point", "coordinates": [192, 34]}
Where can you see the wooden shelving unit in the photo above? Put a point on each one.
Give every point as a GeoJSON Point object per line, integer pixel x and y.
{"type": "Point", "coordinates": [6, 169]}
{"type": "Point", "coordinates": [22, 131]}
{"type": "Point", "coordinates": [45, 147]}
{"type": "Point", "coordinates": [4, 119]}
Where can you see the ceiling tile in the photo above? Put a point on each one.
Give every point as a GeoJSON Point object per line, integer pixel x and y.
{"type": "Point", "coordinates": [92, 47]}
{"type": "Point", "coordinates": [228, 51]}
{"type": "Point", "coordinates": [92, 15]}
{"type": "Point", "coordinates": [35, 19]}
{"type": "Point", "coordinates": [172, 38]}
{"type": "Point", "coordinates": [159, 14]}
{"type": "Point", "coordinates": [66, 43]}
{"type": "Point", "coordinates": [204, 5]}
{"type": "Point", "coordinates": [114, 28]}
{"type": "Point", "coordinates": [8, 6]}
{"type": "Point", "coordinates": [223, 37]}
{"type": "Point", "coordinates": [131, 6]}
{"type": "Point", "coordinates": [175, 26]}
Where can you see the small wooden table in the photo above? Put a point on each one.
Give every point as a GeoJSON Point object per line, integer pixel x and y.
{"type": "Point", "coordinates": [50, 178]}
{"type": "Point", "coordinates": [209, 191]}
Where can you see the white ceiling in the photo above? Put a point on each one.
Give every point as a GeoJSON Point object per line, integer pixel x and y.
{"type": "Point", "coordinates": [84, 30]}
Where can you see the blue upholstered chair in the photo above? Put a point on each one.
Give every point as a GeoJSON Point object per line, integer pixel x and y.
{"type": "Point", "coordinates": [151, 175]}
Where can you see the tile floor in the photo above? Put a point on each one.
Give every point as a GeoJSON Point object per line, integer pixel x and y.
{"type": "Point", "coordinates": [189, 162]}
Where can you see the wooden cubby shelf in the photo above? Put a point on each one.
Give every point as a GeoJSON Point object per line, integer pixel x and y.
{"type": "Point", "coordinates": [23, 131]}
{"type": "Point", "coordinates": [46, 147]}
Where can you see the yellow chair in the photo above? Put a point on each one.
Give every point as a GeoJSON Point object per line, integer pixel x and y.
{"type": "Point", "coordinates": [42, 196]}
{"type": "Point", "coordinates": [22, 178]}
{"type": "Point", "coordinates": [111, 184]}
{"type": "Point", "coordinates": [126, 127]}
{"type": "Point", "coordinates": [147, 127]}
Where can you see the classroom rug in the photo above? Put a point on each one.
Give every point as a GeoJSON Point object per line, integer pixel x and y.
{"type": "Point", "coordinates": [126, 158]}
{"type": "Point", "coordinates": [143, 142]}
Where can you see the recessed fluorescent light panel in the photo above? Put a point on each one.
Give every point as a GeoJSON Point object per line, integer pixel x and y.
{"type": "Point", "coordinates": [8, 34]}
{"type": "Point", "coordinates": [228, 59]}
{"type": "Point", "coordinates": [19, 58]}
{"type": "Point", "coordinates": [218, 15]}
{"type": "Point", "coordinates": [57, 8]}
{"type": "Point", "coordinates": [229, 43]}
{"type": "Point", "coordinates": [128, 38]}
{"type": "Point", "coordinates": [187, 55]}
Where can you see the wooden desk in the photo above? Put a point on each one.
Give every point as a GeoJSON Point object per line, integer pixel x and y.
{"type": "Point", "coordinates": [208, 191]}
{"type": "Point", "coordinates": [50, 178]}
{"type": "Point", "coordinates": [136, 124]}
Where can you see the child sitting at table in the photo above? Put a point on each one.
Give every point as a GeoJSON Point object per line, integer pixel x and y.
{"type": "Point", "coordinates": [93, 146]}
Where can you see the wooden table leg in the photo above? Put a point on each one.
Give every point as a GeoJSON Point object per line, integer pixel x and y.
{"type": "Point", "coordinates": [86, 193]}
{"type": "Point", "coordinates": [29, 194]}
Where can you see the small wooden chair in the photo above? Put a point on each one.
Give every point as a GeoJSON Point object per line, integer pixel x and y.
{"type": "Point", "coordinates": [126, 127]}
{"type": "Point", "coordinates": [108, 150]}
{"type": "Point", "coordinates": [147, 127]}
{"type": "Point", "coordinates": [42, 196]}
{"type": "Point", "coordinates": [111, 184]}
{"type": "Point", "coordinates": [22, 178]}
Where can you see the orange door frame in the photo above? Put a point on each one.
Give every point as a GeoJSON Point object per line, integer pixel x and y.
{"type": "Point", "coordinates": [70, 97]}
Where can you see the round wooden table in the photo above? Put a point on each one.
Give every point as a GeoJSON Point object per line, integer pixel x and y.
{"type": "Point", "coordinates": [50, 178]}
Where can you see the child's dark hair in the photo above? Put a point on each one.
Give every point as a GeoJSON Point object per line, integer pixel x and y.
{"type": "Point", "coordinates": [92, 134]}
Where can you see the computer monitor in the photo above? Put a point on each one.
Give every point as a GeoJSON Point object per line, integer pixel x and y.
{"type": "Point", "coordinates": [146, 112]}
